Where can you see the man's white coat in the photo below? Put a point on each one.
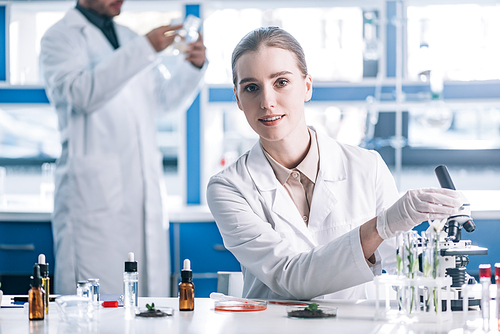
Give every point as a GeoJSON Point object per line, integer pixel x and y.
{"type": "Point", "coordinates": [108, 179]}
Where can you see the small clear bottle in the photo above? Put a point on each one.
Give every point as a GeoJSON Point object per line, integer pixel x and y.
{"type": "Point", "coordinates": [187, 34]}
{"type": "Point", "coordinates": [44, 271]}
{"type": "Point", "coordinates": [94, 291]}
{"type": "Point", "coordinates": [186, 288]}
{"type": "Point", "coordinates": [130, 283]}
{"type": "Point", "coordinates": [36, 296]}
{"type": "Point", "coordinates": [83, 289]}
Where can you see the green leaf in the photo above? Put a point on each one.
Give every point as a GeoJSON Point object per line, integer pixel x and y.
{"type": "Point", "coordinates": [415, 266]}
{"type": "Point", "coordinates": [427, 268]}
{"type": "Point", "coordinates": [399, 263]}
{"type": "Point", "coordinates": [312, 307]}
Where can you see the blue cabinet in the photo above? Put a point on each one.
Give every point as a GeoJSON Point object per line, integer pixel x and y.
{"type": "Point", "coordinates": [201, 243]}
{"type": "Point", "coordinates": [20, 245]}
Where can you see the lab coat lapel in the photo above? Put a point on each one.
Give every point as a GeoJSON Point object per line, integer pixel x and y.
{"type": "Point", "coordinates": [274, 194]}
{"type": "Point", "coordinates": [331, 171]}
{"type": "Point", "coordinates": [99, 47]}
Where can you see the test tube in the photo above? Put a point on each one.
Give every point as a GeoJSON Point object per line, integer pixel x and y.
{"type": "Point", "coordinates": [497, 282]}
{"type": "Point", "coordinates": [485, 280]}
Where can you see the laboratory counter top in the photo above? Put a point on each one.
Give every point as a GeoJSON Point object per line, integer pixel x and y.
{"type": "Point", "coordinates": [32, 208]}
{"type": "Point", "coordinates": [352, 317]}
{"type": "Point", "coordinates": [485, 204]}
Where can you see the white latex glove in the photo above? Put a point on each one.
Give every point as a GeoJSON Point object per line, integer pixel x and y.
{"type": "Point", "coordinates": [415, 207]}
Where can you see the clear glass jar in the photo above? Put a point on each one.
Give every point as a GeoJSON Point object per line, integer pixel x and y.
{"type": "Point", "coordinates": [187, 34]}
{"type": "Point", "coordinates": [83, 289]}
{"type": "Point", "coordinates": [94, 291]}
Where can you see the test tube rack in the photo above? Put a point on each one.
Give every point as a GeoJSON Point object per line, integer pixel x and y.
{"type": "Point", "coordinates": [427, 292]}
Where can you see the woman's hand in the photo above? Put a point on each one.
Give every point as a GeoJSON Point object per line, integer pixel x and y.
{"type": "Point", "coordinates": [415, 207]}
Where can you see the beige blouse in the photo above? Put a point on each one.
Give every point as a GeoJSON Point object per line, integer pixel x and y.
{"type": "Point", "coordinates": [299, 181]}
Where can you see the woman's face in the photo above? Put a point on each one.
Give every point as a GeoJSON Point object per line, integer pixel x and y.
{"type": "Point", "coordinates": [271, 91]}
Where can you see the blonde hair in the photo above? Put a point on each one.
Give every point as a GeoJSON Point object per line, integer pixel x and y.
{"type": "Point", "coordinates": [270, 37]}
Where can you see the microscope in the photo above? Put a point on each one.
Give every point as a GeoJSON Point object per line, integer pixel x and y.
{"type": "Point", "coordinates": [453, 251]}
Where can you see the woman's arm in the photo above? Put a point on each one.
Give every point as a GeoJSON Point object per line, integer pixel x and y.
{"type": "Point", "coordinates": [370, 239]}
{"type": "Point", "coordinates": [289, 270]}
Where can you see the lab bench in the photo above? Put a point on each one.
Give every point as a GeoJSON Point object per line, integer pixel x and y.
{"type": "Point", "coordinates": [353, 316]}
{"type": "Point", "coordinates": [25, 232]}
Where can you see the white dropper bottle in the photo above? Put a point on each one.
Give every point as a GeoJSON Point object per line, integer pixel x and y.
{"type": "Point", "coordinates": [130, 283]}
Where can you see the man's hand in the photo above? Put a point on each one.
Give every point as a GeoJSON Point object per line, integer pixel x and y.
{"type": "Point", "coordinates": [196, 53]}
{"type": "Point", "coordinates": [161, 37]}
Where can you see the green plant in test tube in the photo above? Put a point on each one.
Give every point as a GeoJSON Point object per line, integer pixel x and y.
{"type": "Point", "coordinates": [431, 262]}
{"type": "Point", "coordinates": [399, 264]}
{"type": "Point", "coordinates": [412, 263]}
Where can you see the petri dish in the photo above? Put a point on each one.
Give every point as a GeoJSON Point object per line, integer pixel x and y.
{"type": "Point", "coordinates": [237, 306]}
{"type": "Point", "coordinates": [158, 312]}
{"type": "Point", "coordinates": [75, 309]}
{"type": "Point", "coordinates": [286, 303]}
{"type": "Point", "coordinates": [302, 312]}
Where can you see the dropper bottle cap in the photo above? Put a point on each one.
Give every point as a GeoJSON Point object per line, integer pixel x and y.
{"type": "Point", "coordinates": [130, 264]}
{"type": "Point", "coordinates": [44, 267]}
{"type": "Point", "coordinates": [36, 279]}
{"type": "Point", "coordinates": [186, 273]}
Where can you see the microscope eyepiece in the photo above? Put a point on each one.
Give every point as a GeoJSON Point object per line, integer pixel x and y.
{"type": "Point", "coordinates": [444, 177]}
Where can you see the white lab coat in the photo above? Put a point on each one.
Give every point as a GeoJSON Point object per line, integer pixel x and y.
{"type": "Point", "coordinates": [281, 257]}
{"type": "Point", "coordinates": [108, 179]}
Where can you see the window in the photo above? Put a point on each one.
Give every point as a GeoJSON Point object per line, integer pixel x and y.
{"type": "Point", "coordinates": [29, 22]}
{"type": "Point", "coordinates": [341, 43]}
{"type": "Point", "coordinates": [335, 41]}
{"type": "Point", "coordinates": [454, 41]}
{"type": "Point", "coordinates": [470, 126]}
{"type": "Point", "coordinates": [29, 133]}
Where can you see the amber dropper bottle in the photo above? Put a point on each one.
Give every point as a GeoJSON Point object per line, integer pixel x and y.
{"type": "Point", "coordinates": [186, 288]}
{"type": "Point", "coordinates": [36, 296]}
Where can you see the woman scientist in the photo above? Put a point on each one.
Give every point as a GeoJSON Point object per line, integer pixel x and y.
{"type": "Point", "coordinates": [305, 215]}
